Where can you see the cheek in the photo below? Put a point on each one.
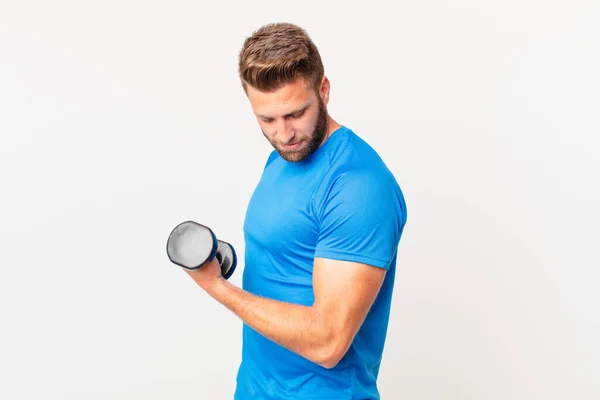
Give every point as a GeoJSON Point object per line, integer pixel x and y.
{"type": "Point", "coordinates": [306, 125]}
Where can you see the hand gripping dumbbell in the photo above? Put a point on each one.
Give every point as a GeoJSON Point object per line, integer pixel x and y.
{"type": "Point", "coordinates": [192, 246]}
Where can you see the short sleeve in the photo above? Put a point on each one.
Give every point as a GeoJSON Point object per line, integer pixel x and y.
{"type": "Point", "coordinates": [360, 219]}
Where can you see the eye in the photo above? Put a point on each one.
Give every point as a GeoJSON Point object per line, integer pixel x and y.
{"type": "Point", "coordinates": [297, 115]}
{"type": "Point", "coordinates": [267, 120]}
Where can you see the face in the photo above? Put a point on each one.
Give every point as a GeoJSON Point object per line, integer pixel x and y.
{"type": "Point", "coordinates": [292, 118]}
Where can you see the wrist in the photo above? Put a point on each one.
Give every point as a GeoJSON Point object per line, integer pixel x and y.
{"type": "Point", "coordinates": [216, 287]}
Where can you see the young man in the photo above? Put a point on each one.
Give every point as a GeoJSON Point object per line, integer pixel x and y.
{"type": "Point", "coordinates": [322, 231]}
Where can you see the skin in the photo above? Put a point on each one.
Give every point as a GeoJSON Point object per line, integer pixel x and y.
{"type": "Point", "coordinates": [322, 332]}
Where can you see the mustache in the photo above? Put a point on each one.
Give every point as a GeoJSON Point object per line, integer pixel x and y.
{"type": "Point", "coordinates": [292, 141]}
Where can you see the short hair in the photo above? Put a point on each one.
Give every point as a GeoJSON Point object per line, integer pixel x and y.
{"type": "Point", "coordinates": [277, 54]}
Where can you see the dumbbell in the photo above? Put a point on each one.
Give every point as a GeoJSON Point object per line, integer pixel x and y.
{"type": "Point", "coordinates": [192, 246]}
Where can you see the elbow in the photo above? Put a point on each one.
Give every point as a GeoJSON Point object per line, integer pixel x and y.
{"type": "Point", "coordinates": [330, 363]}
{"type": "Point", "coordinates": [331, 341]}
{"type": "Point", "coordinates": [332, 353]}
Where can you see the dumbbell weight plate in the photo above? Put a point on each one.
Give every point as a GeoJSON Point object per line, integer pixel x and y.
{"type": "Point", "coordinates": [229, 259]}
{"type": "Point", "coordinates": [191, 245]}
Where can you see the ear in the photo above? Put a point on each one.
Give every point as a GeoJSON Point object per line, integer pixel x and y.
{"type": "Point", "coordinates": [324, 90]}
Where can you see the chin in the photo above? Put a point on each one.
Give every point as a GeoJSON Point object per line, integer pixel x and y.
{"type": "Point", "coordinates": [293, 156]}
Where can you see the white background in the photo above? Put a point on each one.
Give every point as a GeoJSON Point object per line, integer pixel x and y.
{"type": "Point", "coordinates": [120, 119]}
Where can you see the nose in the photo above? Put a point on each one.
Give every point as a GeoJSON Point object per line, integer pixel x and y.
{"type": "Point", "coordinates": [285, 132]}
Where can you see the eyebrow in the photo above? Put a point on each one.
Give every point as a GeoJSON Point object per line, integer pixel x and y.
{"type": "Point", "coordinates": [296, 111]}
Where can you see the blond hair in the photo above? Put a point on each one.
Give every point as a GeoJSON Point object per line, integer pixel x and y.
{"type": "Point", "coordinates": [277, 54]}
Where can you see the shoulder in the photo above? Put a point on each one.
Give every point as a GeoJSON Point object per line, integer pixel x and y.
{"type": "Point", "coordinates": [354, 161]}
{"type": "Point", "coordinates": [358, 176]}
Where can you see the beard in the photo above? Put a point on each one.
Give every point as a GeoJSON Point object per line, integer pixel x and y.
{"type": "Point", "coordinates": [313, 141]}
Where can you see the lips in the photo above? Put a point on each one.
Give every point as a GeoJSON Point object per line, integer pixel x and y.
{"type": "Point", "coordinates": [292, 145]}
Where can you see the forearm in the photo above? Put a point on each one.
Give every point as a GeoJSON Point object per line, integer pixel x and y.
{"type": "Point", "coordinates": [301, 329]}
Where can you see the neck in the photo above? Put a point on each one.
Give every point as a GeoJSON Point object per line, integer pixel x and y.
{"type": "Point", "coordinates": [332, 126]}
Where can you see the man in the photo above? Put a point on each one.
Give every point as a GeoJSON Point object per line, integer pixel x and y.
{"type": "Point", "coordinates": [322, 230]}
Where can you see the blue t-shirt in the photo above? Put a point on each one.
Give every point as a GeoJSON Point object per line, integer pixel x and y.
{"type": "Point", "coordinates": [343, 203]}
